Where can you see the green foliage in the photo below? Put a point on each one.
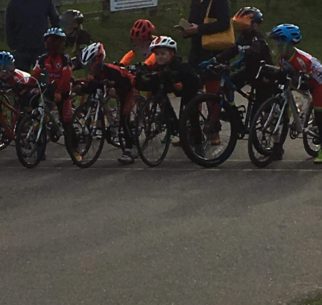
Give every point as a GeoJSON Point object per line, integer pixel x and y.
{"type": "Point", "coordinates": [114, 29]}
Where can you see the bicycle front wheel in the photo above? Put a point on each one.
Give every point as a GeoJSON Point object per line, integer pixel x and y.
{"type": "Point", "coordinates": [208, 132]}
{"type": "Point", "coordinates": [153, 132]}
{"type": "Point", "coordinates": [311, 138]}
{"type": "Point", "coordinates": [89, 135]}
{"type": "Point", "coordinates": [31, 141]}
{"type": "Point", "coordinates": [269, 126]}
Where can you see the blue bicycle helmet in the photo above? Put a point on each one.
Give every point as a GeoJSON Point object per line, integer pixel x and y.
{"type": "Point", "coordinates": [55, 32]}
{"type": "Point", "coordinates": [289, 33]}
{"type": "Point", "coordinates": [7, 61]}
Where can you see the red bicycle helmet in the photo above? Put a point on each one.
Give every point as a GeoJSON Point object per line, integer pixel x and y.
{"type": "Point", "coordinates": [142, 29]}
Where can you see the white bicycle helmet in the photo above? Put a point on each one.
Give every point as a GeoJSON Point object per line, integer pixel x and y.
{"type": "Point", "coordinates": [55, 32]}
{"type": "Point", "coordinates": [163, 42]}
{"type": "Point", "coordinates": [93, 50]}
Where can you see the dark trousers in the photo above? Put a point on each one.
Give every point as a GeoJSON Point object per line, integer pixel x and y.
{"type": "Point", "coordinates": [26, 59]}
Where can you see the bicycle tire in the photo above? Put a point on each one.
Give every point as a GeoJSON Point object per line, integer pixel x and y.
{"type": "Point", "coordinates": [260, 150]}
{"type": "Point", "coordinates": [153, 128]}
{"type": "Point", "coordinates": [309, 134]}
{"type": "Point", "coordinates": [26, 137]}
{"type": "Point", "coordinates": [196, 135]}
{"type": "Point", "coordinates": [86, 137]}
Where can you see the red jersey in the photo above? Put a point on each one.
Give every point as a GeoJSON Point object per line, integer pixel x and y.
{"type": "Point", "coordinates": [58, 70]}
{"type": "Point", "coordinates": [17, 78]}
{"type": "Point", "coordinates": [302, 61]}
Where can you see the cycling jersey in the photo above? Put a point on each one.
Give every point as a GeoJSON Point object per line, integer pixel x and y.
{"type": "Point", "coordinates": [304, 62]}
{"type": "Point", "coordinates": [18, 77]}
{"type": "Point", "coordinates": [253, 48]}
{"type": "Point", "coordinates": [58, 70]}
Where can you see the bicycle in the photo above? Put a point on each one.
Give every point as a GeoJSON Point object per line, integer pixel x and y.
{"type": "Point", "coordinates": [97, 120]}
{"type": "Point", "coordinates": [9, 117]}
{"type": "Point", "coordinates": [156, 121]}
{"type": "Point", "coordinates": [37, 128]}
{"type": "Point", "coordinates": [273, 120]}
{"type": "Point", "coordinates": [210, 113]}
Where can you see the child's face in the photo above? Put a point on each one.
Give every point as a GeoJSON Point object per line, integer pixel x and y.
{"type": "Point", "coordinates": [69, 25]}
{"type": "Point", "coordinates": [163, 56]}
{"type": "Point", "coordinates": [5, 75]}
{"type": "Point", "coordinates": [95, 67]}
{"type": "Point", "coordinates": [55, 45]}
{"type": "Point", "coordinates": [246, 27]}
{"type": "Point", "coordinates": [284, 49]}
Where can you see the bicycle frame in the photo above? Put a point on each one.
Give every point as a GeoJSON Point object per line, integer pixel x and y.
{"type": "Point", "coordinates": [42, 109]}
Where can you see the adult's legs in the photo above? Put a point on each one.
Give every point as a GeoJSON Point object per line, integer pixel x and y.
{"type": "Point", "coordinates": [26, 59]}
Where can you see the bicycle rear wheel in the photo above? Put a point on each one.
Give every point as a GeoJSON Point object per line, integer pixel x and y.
{"type": "Point", "coordinates": [89, 136]}
{"type": "Point", "coordinates": [31, 141]}
{"type": "Point", "coordinates": [203, 119]}
{"type": "Point", "coordinates": [153, 132]}
{"type": "Point", "coordinates": [269, 126]}
{"type": "Point", "coordinates": [311, 139]}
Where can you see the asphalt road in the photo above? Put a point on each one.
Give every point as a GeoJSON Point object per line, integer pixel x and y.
{"type": "Point", "coordinates": [174, 235]}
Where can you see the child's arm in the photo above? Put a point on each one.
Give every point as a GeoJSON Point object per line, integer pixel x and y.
{"type": "Point", "coordinates": [150, 60]}
{"type": "Point", "coordinates": [63, 84]}
{"type": "Point", "coordinates": [127, 58]}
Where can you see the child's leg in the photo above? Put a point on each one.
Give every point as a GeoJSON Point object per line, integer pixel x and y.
{"type": "Point", "coordinates": [126, 106]}
{"type": "Point", "coordinates": [66, 116]}
{"type": "Point", "coordinates": [212, 86]}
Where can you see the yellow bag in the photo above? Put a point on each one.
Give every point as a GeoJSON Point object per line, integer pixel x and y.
{"type": "Point", "coordinates": [217, 41]}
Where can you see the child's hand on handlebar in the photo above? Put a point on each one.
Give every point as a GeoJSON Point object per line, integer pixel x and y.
{"type": "Point", "coordinates": [204, 65]}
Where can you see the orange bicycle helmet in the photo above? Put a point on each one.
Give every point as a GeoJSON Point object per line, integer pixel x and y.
{"type": "Point", "coordinates": [142, 29]}
{"type": "Point", "coordinates": [246, 16]}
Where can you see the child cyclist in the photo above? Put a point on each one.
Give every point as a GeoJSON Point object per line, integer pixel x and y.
{"type": "Point", "coordinates": [92, 57]}
{"type": "Point", "coordinates": [15, 79]}
{"type": "Point", "coordinates": [55, 65]}
{"type": "Point", "coordinates": [185, 82]}
{"type": "Point", "coordinates": [77, 38]}
{"type": "Point", "coordinates": [252, 49]}
{"type": "Point", "coordinates": [9, 75]}
{"type": "Point", "coordinates": [286, 37]}
{"type": "Point", "coordinates": [141, 35]}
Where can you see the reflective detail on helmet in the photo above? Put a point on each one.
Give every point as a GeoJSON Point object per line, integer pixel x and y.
{"type": "Point", "coordinates": [7, 61]}
{"type": "Point", "coordinates": [93, 50]}
{"type": "Point", "coordinates": [72, 15]}
{"type": "Point", "coordinates": [55, 32]}
{"type": "Point", "coordinates": [289, 33]}
{"type": "Point", "coordinates": [163, 41]}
